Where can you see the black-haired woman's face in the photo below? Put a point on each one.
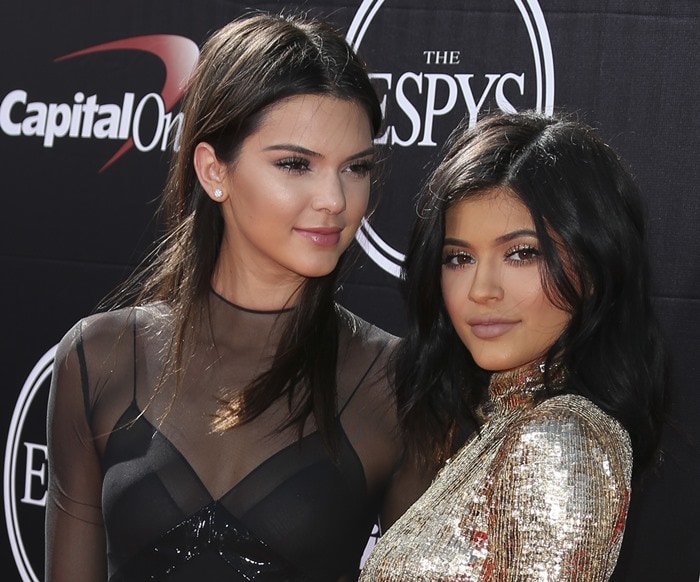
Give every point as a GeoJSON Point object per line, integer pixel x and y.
{"type": "Point", "coordinates": [491, 282]}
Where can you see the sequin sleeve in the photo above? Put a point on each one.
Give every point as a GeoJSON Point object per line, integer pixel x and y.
{"type": "Point", "coordinates": [559, 495]}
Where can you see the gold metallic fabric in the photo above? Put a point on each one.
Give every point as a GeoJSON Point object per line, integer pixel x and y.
{"type": "Point", "coordinates": [539, 493]}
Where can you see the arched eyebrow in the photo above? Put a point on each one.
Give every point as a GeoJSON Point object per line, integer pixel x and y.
{"type": "Point", "coordinates": [288, 147]}
{"type": "Point", "coordinates": [507, 237]}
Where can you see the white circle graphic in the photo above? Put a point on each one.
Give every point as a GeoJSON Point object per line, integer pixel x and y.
{"type": "Point", "coordinates": [383, 254]}
{"type": "Point", "coordinates": [37, 377]}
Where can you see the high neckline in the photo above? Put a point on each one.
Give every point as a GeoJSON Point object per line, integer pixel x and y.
{"type": "Point", "coordinates": [248, 309]}
{"type": "Point", "coordinates": [514, 388]}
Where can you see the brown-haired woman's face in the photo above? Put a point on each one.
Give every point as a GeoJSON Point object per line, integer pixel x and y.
{"type": "Point", "coordinates": [491, 282]}
{"type": "Point", "coordinates": [298, 189]}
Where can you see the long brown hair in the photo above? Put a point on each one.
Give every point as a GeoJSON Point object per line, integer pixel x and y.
{"type": "Point", "coordinates": [246, 67]}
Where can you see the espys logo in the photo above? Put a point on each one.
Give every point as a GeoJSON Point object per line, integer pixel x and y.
{"type": "Point", "coordinates": [434, 66]}
{"type": "Point", "coordinates": [146, 124]}
{"type": "Point", "coordinates": [25, 472]}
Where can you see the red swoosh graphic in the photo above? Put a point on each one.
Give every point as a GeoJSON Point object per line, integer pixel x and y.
{"type": "Point", "coordinates": [179, 55]}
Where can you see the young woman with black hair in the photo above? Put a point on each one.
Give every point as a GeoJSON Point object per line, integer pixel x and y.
{"type": "Point", "coordinates": [236, 423]}
{"type": "Point", "coordinates": [529, 316]}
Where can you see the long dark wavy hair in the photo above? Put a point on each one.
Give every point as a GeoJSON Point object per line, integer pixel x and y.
{"type": "Point", "coordinates": [245, 68]}
{"type": "Point", "coordinates": [590, 222]}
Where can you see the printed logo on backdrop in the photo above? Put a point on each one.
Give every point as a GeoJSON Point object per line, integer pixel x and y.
{"type": "Point", "coordinates": [432, 67]}
{"type": "Point", "coordinates": [25, 474]}
{"type": "Point", "coordinates": [144, 121]}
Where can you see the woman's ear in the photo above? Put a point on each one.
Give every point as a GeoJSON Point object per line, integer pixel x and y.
{"type": "Point", "coordinates": [210, 171]}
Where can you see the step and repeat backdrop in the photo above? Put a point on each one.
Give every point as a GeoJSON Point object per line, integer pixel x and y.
{"type": "Point", "coordinates": [89, 103]}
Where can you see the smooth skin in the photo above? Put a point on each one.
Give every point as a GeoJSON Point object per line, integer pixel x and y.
{"type": "Point", "coordinates": [491, 282]}
{"type": "Point", "coordinates": [292, 200]}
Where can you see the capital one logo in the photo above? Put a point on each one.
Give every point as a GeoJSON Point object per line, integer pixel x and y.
{"type": "Point", "coordinates": [146, 122]}
{"type": "Point", "coordinates": [432, 67]}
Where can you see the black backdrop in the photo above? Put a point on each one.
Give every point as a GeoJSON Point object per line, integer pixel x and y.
{"type": "Point", "coordinates": [71, 229]}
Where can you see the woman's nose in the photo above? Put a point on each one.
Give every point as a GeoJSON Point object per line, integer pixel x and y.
{"type": "Point", "coordinates": [329, 195]}
{"type": "Point", "coordinates": [486, 285]}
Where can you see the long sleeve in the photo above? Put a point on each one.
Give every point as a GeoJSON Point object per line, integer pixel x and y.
{"type": "Point", "coordinates": [559, 499]}
{"type": "Point", "coordinates": [75, 539]}
{"type": "Point", "coordinates": [137, 486]}
{"type": "Point", "coordinates": [539, 494]}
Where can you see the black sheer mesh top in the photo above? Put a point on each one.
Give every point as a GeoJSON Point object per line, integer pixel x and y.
{"type": "Point", "coordinates": [142, 488]}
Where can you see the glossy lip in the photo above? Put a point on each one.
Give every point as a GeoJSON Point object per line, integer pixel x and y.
{"type": "Point", "coordinates": [325, 236]}
{"type": "Point", "coordinates": [490, 327]}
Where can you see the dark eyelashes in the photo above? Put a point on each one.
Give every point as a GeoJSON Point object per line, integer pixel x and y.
{"type": "Point", "coordinates": [456, 259]}
{"type": "Point", "coordinates": [449, 255]}
{"type": "Point", "coordinates": [520, 255]}
{"type": "Point", "coordinates": [523, 247]}
{"type": "Point", "coordinates": [363, 167]}
{"type": "Point", "coordinates": [295, 164]}
{"type": "Point", "coordinates": [526, 254]}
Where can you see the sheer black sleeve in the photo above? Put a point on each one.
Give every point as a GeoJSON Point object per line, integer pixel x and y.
{"type": "Point", "coordinates": [75, 539]}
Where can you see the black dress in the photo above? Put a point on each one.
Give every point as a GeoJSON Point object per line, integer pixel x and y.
{"type": "Point", "coordinates": [138, 474]}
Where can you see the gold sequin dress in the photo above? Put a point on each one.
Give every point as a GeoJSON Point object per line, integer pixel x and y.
{"type": "Point", "coordinates": [540, 493]}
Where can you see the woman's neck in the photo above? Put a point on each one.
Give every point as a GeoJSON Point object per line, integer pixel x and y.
{"type": "Point", "coordinates": [255, 291]}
